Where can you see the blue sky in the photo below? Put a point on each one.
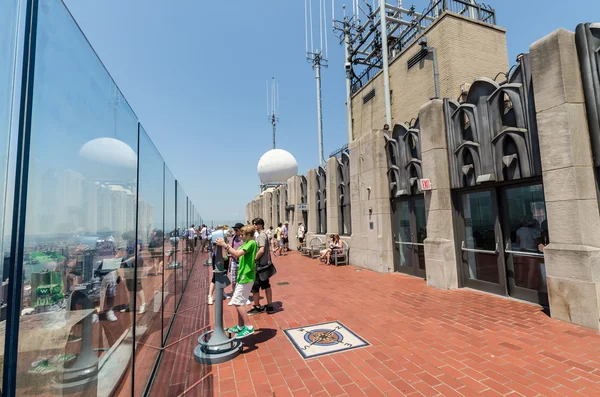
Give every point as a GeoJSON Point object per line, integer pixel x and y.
{"type": "Point", "coordinates": [194, 72]}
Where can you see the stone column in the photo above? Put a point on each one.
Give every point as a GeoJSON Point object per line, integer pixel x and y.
{"type": "Point", "coordinates": [273, 221]}
{"type": "Point", "coordinates": [311, 191]}
{"type": "Point", "coordinates": [266, 208]}
{"type": "Point", "coordinates": [572, 258]}
{"type": "Point", "coordinates": [256, 206]}
{"type": "Point", "coordinates": [281, 203]}
{"type": "Point", "coordinates": [294, 198]}
{"type": "Point", "coordinates": [440, 251]}
{"type": "Point", "coordinates": [371, 242]}
{"type": "Point", "coordinates": [332, 196]}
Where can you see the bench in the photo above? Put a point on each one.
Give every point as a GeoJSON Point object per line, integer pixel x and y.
{"type": "Point", "coordinates": [314, 247]}
{"type": "Point", "coordinates": [339, 256]}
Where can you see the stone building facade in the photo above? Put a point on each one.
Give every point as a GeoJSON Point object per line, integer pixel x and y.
{"type": "Point", "coordinates": [497, 191]}
{"type": "Point", "coordinates": [466, 49]}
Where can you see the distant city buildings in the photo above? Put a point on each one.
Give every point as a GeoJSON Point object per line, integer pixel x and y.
{"type": "Point", "coordinates": [63, 202]}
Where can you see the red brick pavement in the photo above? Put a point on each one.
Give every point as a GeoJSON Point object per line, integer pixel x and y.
{"type": "Point", "coordinates": [424, 342]}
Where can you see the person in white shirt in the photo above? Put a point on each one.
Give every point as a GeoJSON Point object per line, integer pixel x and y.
{"type": "Point", "coordinates": [203, 239]}
{"type": "Point", "coordinates": [301, 234]}
{"type": "Point", "coordinates": [191, 235]}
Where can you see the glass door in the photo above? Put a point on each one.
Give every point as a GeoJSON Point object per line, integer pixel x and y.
{"type": "Point", "coordinates": [526, 234]}
{"type": "Point", "coordinates": [410, 231]}
{"type": "Point", "coordinates": [481, 256]}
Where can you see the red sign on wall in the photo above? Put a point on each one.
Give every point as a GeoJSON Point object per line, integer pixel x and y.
{"type": "Point", "coordinates": [425, 184]}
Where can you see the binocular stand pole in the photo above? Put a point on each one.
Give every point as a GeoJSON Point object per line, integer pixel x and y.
{"type": "Point", "coordinates": [219, 348]}
{"type": "Point", "coordinates": [209, 261]}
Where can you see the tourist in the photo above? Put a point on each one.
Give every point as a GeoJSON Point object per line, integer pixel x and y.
{"type": "Point", "coordinates": [301, 234]}
{"type": "Point", "coordinates": [264, 271]}
{"type": "Point", "coordinates": [235, 243]}
{"type": "Point", "coordinates": [279, 241]}
{"type": "Point", "coordinates": [245, 278]}
{"type": "Point", "coordinates": [284, 236]}
{"type": "Point", "coordinates": [203, 239]}
{"type": "Point", "coordinates": [191, 238]}
{"type": "Point", "coordinates": [333, 244]}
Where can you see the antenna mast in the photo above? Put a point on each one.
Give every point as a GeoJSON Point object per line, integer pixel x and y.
{"type": "Point", "coordinates": [317, 58]}
{"type": "Point", "coordinates": [273, 106]}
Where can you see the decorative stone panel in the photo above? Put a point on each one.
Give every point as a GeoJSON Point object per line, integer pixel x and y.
{"type": "Point", "coordinates": [403, 150]}
{"type": "Point", "coordinates": [343, 174]}
{"type": "Point", "coordinates": [492, 136]}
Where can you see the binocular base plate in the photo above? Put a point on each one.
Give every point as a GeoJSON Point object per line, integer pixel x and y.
{"type": "Point", "coordinates": [202, 356]}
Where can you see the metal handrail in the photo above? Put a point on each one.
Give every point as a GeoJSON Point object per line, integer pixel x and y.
{"type": "Point", "coordinates": [523, 253]}
{"type": "Point", "coordinates": [462, 247]}
{"type": "Point", "coordinates": [409, 243]}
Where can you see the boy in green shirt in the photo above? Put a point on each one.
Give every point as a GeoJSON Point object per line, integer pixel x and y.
{"type": "Point", "coordinates": [245, 278]}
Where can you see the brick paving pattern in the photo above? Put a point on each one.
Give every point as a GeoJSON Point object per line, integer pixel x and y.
{"type": "Point", "coordinates": [424, 342]}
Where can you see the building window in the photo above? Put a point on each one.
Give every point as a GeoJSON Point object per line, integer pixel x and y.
{"type": "Point", "coordinates": [343, 170]}
{"type": "Point", "coordinates": [285, 199]}
{"type": "Point", "coordinates": [321, 201]}
{"type": "Point", "coordinates": [278, 209]}
{"type": "Point", "coordinates": [304, 200]}
{"type": "Point", "coordinates": [270, 208]}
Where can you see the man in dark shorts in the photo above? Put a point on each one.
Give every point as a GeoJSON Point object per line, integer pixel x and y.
{"type": "Point", "coordinates": [263, 256]}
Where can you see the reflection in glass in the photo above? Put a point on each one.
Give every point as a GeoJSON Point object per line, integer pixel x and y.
{"type": "Point", "coordinates": [150, 260]}
{"type": "Point", "coordinates": [171, 242]}
{"type": "Point", "coordinates": [8, 43]}
{"type": "Point", "coordinates": [80, 243]}
{"type": "Point", "coordinates": [181, 246]}
{"type": "Point", "coordinates": [526, 212]}
{"type": "Point", "coordinates": [403, 232]}
{"type": "Point", "coordinates": [421, 228]}
{"type": "Point", "coordinates": [479, 218]}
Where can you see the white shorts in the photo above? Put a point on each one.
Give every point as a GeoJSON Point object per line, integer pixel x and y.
{"type": "Point", "coordinates": [241, 294]}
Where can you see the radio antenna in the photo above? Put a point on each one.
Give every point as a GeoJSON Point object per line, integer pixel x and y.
{"type": "Point", "coordinates": [317, 57]}
{"type": "Point", "coordinates": [273, 105]}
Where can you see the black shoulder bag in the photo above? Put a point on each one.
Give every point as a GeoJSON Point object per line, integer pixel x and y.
{"type": "Point", "coordinates": [265, 269]}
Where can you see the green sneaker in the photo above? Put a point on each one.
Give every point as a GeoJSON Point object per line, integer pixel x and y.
{"type": "Point", "coordinates": [41, 367]}
{"type": "Point", "coordinates": [245, 331]}
{"type": "Point", "coordinates": [62, 359]}
{"type": "Point", "coordinates": [234, 330]}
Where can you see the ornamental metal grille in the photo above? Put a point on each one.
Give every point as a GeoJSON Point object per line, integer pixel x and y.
{"type": "Point", "coordinates": [343, 174]}
{"type": "Point", "coordinates": [403, 149]}
{"type": "Point", "coordinates": [493, 136]}
{"type": "Point", "coordinates": [321, 179]}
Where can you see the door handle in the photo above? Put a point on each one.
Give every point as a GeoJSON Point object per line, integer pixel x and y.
{"type": "Point", "coordinates": [464, 248]}
{"type": "Point", "coordinates": [522, 253]}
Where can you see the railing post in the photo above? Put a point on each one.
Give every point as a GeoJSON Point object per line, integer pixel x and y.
{"type": "Point", "coordinates": [479, 12]}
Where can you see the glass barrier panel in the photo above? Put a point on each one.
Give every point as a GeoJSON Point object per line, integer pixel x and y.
{"type": "Point", "coordinates": [9, 12]}
{"type": "Point", "coordinates": [150, 261]}
{"type": "Point", "coordinates": [183, 241]}
{"type": "Point", "coordinates": [170, 253]}
{"type": "Point", "coordinates": [75, 331]}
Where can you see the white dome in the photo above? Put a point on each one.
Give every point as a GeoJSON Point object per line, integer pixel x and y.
{"type": "Point", "coordinates": [109, 151]}
{"type": "Point", "coordinates": [277, 166]}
